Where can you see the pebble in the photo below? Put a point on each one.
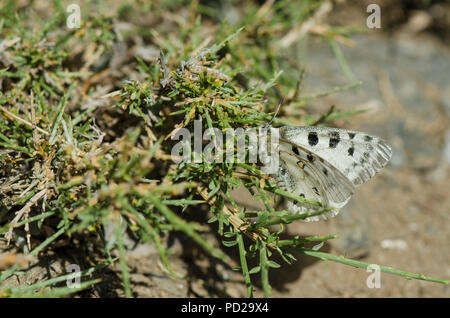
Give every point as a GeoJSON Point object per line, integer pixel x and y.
{"type": "Point", "coordinates": [398, 244]}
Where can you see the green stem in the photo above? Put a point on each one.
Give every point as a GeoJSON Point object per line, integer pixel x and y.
{"type": "Point", "coordinates": [59, 279]}
{"type": "Point", "coordinates": [264, 270]}
{"type": "Point", "coordinates": [385, 269]}
{"type": "Point", "coordinates": [15, 147]}
{"type": "Point", "coordinates": [32, 219]}
{"type": "Point", "coordinates": [290, 218]}
{"type": "Point", "coordinates": [181, 225]}
{"type": "Point", "coordinates": [292, 196]}
{"type": "Point", "coordinates": [47, 242]}
{"type": "Point", "coordinates": [153, 235]}
{"type": "Point", "coordinates": [244, 267]}
{"type": "Point", "coordinates": [302, 240]}
{"type": "Point", "coordinates": [122, 262]}
{"type": "Point", "coordinates": [55, 292]}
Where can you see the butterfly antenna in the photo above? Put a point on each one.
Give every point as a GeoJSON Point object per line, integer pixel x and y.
{"type": "Point", "coordinates": [276, 112]}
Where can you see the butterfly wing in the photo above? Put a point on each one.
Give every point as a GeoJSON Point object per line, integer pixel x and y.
{"type": "Point", "coordinates": [326, 164]}
{"type": "Point", "coordinates": [357, 155]}
{"type": "Point", "coordinates": [308, 176]}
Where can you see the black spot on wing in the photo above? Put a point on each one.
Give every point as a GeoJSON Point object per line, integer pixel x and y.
{"type": "Point", "coordinates": [334, 139]}
{"type": "Point", "coordinates": [313, 139]}
{"type": "Point", "coordinates": [302, 195]}
{"type": "Point", "coordinates": [368, 138]}
{"type": "Point", "coordinates": [310, 158]}
{"type": "Point", "coordinates": [351, 150]}
{"type": "Point", "coordinates": [315, 190]}
{"type": "Point", "coordinates": [325, 171]}
{"type": "Point", "coordinates": [295, 150]}
{"type": "Point", "coordinates": [351, 135]}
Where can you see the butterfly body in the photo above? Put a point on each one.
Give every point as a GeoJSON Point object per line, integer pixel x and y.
{"type": "Point", "coordinates": [326, 165]}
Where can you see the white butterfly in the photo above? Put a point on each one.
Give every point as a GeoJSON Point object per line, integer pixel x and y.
{"type": "Point", "coordinates": [326, 165]}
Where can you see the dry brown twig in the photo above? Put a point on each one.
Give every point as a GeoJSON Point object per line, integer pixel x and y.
{"type": "Point", "coordinates": [300, 31]}
{"type": "Point", "coordinates": [23, 121]}
{"type": "Point", "coordinates": [22, 212]}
